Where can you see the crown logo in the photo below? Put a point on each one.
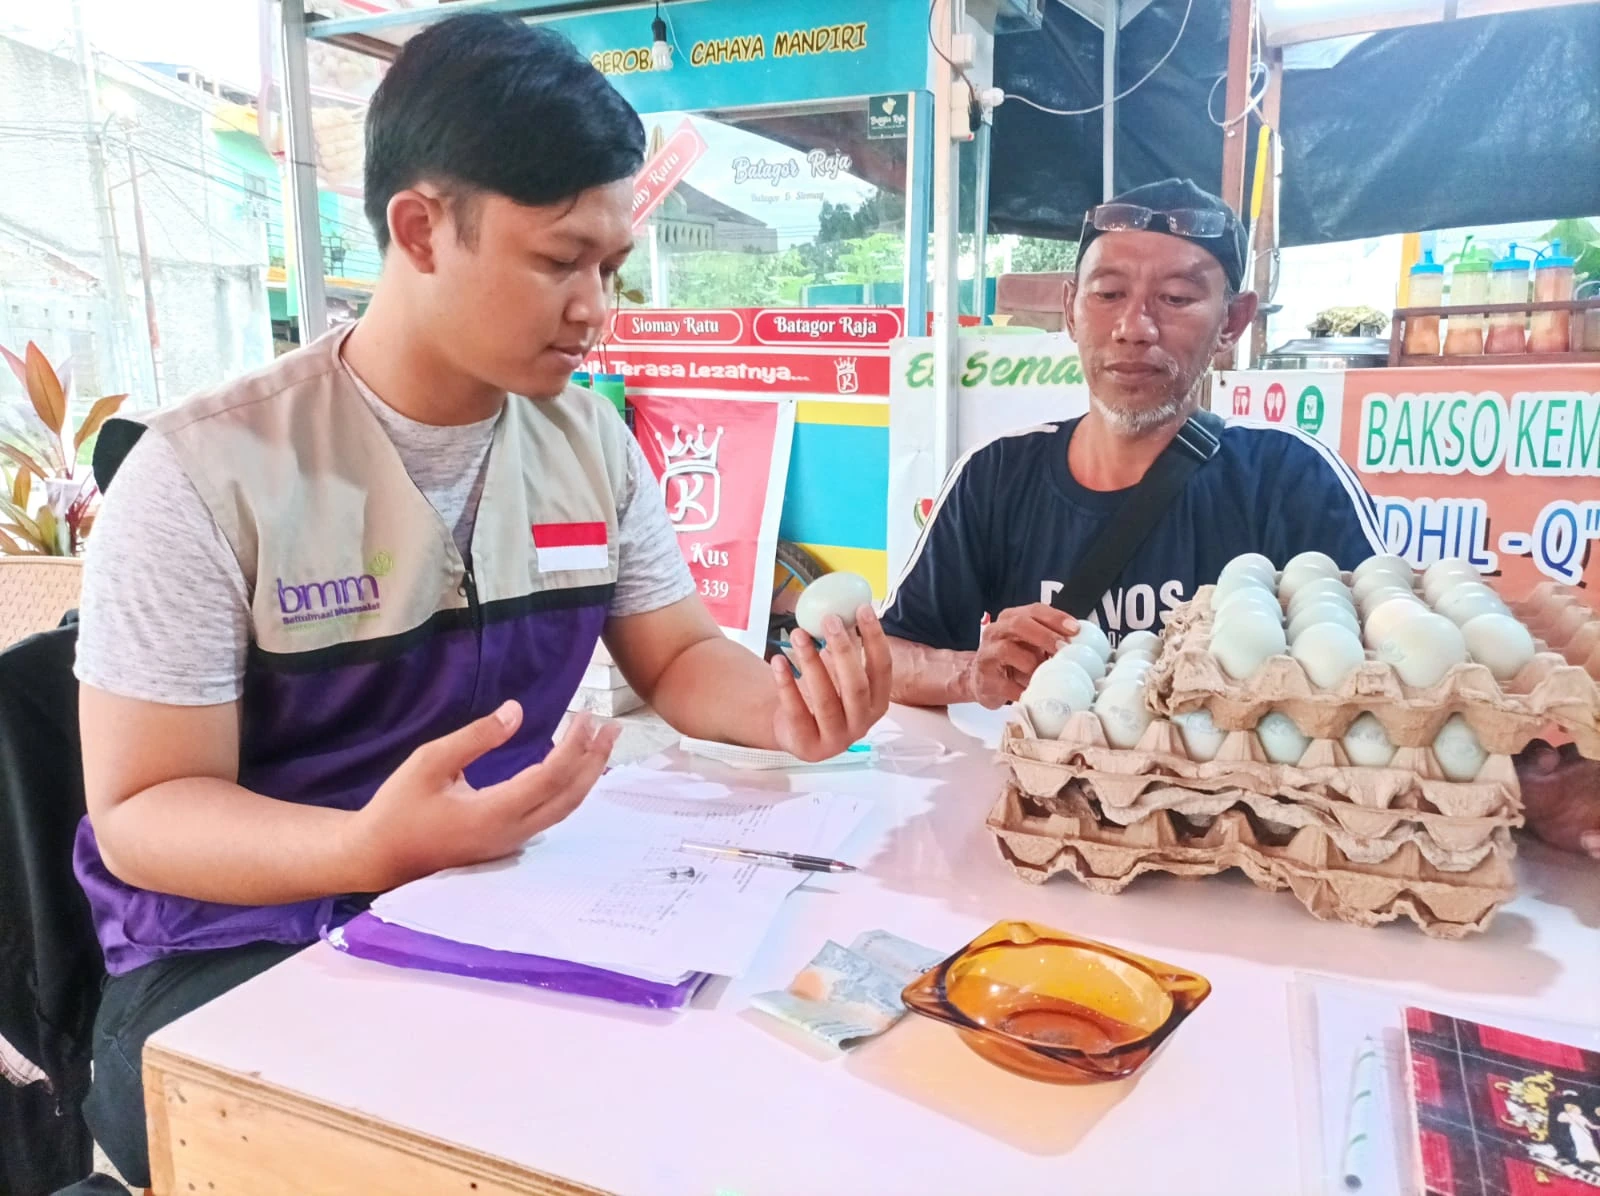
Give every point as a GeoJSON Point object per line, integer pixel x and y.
{"type": "Point", "coordinates": [690, 483]}
{"type": "Point", "coordinates": [683, 453]}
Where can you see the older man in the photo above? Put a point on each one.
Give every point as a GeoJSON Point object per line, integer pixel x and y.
{"type": "Point", "coordinates": [1156, 296]}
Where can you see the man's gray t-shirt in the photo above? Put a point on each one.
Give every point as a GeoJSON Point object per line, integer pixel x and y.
{"type": "Point", "coordinates": [165, 611]}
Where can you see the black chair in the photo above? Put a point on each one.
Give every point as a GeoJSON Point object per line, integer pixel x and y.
{"type": "Point", "coordinates": [51, 969]}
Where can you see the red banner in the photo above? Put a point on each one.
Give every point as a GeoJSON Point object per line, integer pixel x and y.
{"type": "Point", "coordinates": [643, 326]}
{"type": "Point", "coordinates": [846, 327]}
{"type": "Point", "coordinates": [665, 171]}
{"type": "Point", "coordinates": [788, 350]}
{"type": "Point", "coordinates": [687, 368]}
{"type": "Point", "coordinates": [714, 461]}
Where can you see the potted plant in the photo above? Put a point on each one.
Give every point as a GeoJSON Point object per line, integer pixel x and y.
{"type": "Point", "coordinates": [47, 504]}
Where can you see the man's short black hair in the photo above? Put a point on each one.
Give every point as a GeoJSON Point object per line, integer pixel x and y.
{"type": "Point", "coordinates": [486, 103]}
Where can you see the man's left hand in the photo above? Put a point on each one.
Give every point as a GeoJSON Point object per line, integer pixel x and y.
{"type": "Point", "coordinates": [841, 692]}
{"type": "Point", "coordinates": [1561, 795]}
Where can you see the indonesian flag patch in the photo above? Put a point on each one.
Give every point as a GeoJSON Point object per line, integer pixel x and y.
{"type": "Point", "coordinates": [565, 547]}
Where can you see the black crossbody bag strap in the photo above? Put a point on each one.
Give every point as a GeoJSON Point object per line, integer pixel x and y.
{"type": "Point", "coordinates": [1195, 444]}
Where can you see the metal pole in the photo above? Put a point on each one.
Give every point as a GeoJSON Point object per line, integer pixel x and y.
{"type": "Point", "coordinates": [980, 219]}
{"type": "Point", "coordinates": [302, 172]}
{"type": "Point", "coordinates": [1108, 114]}
{"type": "Point", "coordinates": [1241, 16]}
{"type": "Point", "coordinates": [111, 259]}
{"type": "Point", "coordinates": [947, 286]}
{"type": "Point", "coordinates": [144, 276]}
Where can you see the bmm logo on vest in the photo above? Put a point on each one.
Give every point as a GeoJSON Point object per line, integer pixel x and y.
{"type": "Point", "coordinates": [336, 598]}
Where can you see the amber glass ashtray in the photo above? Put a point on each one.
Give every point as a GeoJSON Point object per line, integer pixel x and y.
{"type": "Point", "coordinates": [1053, 1006]}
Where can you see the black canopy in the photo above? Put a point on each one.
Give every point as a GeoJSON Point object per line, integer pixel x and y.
{"type": "Point", "coordinates": [1478, 121]}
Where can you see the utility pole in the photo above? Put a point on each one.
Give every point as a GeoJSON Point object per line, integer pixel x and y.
{"type": "Point", "coordinates": [144, 274]}
{"type": "Point", "coordinates": [116, 287]}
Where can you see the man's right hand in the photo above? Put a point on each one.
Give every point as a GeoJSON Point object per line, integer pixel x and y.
{"type": "Point", "coordinates": [426, 817]}
{"type": "Point", "coordinates": [1013, 645]}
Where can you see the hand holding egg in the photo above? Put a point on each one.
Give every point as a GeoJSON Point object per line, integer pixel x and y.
{"type": "Point", "coordinates": [840, 691]}
{"type": "Point", "coordinates": [1017, 643]}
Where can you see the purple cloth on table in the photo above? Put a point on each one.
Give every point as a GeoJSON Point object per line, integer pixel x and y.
{"type": "Point", "coordinates": [367, 936]}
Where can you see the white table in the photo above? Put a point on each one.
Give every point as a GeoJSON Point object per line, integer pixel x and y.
{"type": "Point", "coordinates": [329, 1074]}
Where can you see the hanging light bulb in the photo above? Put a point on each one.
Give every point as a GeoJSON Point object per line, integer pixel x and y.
{"type": "Point", "coordinates": [660, 51]}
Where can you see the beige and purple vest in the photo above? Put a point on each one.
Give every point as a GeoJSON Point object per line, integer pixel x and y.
{"type": "Point", "coordinates": [369, 634]}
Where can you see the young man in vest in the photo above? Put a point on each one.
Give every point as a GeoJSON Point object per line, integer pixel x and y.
{"type": "Point", "coordinates": [1156, 296]}
{"type": "Point", "coordinates": [334, 610]}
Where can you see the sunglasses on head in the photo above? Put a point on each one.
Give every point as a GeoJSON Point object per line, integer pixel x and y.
{"type": "Point", "coordinates": [1180, 222]}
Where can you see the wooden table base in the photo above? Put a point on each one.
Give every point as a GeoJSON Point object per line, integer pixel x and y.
{"type": "Point", "coordinates": [215, 1131]}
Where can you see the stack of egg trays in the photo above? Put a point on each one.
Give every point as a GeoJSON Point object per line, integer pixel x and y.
{"type": "Point", "coordinates": [1362, 845]}
{"type": "Point", "coordinates": [1564, 618]}
{"type": "Point", "coordinates": [1549, 693]}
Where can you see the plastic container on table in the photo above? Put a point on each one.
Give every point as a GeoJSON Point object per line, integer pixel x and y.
{"type": "Point", "coordinates": [1469, 286]}
{"type": "Point", "coordinates": [1586, 327]}
{"type": "Point", "coordinates": [1552, 283]}
{"type": "Point", "coordinates": [1427, 290]}
{"type": "Point", "coordinates": [1508, 283]}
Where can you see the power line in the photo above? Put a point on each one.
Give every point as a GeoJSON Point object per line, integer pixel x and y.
{"type": "Point", "coordinates": [1160, 62]}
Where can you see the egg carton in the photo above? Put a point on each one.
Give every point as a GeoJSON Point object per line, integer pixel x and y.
{"type": "Point", "coordinates": [1131, 785]}
{"type": "Point", "coordinates": [1505, 718]}
{"type": "Point", "coordinates": [1412, 787]}
{"type": "Point", "coordinates": [1566, 620]}
{"type": "Point", "coordinates": [1039, 843]}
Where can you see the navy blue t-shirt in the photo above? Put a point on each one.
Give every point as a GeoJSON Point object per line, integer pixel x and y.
{"type": "Point", "coordinates": [1012, 522]}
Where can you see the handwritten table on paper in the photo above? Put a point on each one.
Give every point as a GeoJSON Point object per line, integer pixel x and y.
{"type": "Point", "coordinates": [594, 889]}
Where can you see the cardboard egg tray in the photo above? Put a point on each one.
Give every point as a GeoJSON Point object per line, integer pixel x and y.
{"type": "Point", "coordinates": [1369, 813]}
{"type": "Point", "coordinates": [1066, 834]}
{"type": "Point", "coordinates": [1565, 619]}
{"type": "Point", "coordinates": [1505, 718]}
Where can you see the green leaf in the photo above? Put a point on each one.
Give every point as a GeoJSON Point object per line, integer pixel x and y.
{"type": "Point", "coordinates": [1588, 264]}
{"type": "Point", "coordinates": [1575, 236]}
{"type": "Point", "coordinates": [20, 519]}
{"type": "Point", "coordinates": [50, 532]}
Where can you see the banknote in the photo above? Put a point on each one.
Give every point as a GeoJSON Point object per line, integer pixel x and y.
{"type": "Point", "coordinates": [848, 994]}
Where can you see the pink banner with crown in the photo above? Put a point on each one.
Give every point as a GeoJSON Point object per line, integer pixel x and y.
{"type": "Point", "coordinates": [721, 461]}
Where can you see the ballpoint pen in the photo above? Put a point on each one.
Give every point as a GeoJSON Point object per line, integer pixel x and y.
{"type": "Point", "coordinates": [786, 859]}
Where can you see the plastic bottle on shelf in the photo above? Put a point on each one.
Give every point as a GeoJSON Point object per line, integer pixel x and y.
{"type": "Point", "coordinates": [1508, 283]}
{"type": "Point", "coordinates": [1469, 286]}
{"type": "Point", "coordinates": [1552, 283]}
{"type": "Point", "coordinates": [1427, 290]}
{"type": "Point", "coordinates": [1586, 327]}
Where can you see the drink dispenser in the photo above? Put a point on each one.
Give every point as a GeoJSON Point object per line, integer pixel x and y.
{"type": "Point", "coordinates": [1508, 283]}
{"type": "Point", "coordinates": [1552, 283]}
{"type": "Point", "coordinates": [1427, 290]}
{"type": "Point", "coordinates": [1469, 286]}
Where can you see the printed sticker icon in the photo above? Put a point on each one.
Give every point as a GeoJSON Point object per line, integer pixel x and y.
{"type": "Point", "coordinates": [845, 371]}
{"type": "Point", "coordinates": [1241, 400]}
{"type": "Point", "coordinates": [1311, 411]}
{"type": "Point", "coordinates": [691, 465]}
{"type": "Point", "coordinates": [1277, 402]}
{"type": "Point", "coordinates": [921, 510]}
